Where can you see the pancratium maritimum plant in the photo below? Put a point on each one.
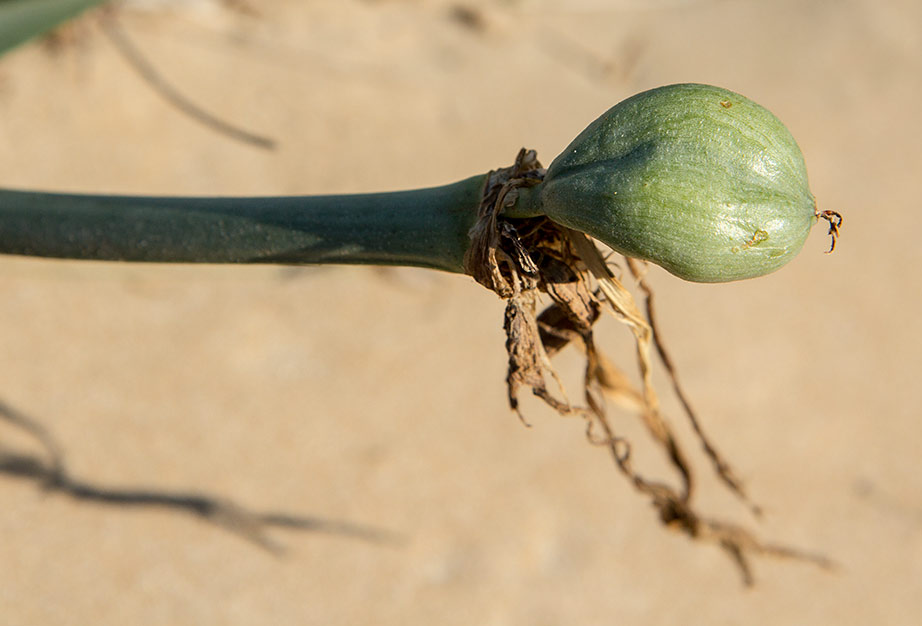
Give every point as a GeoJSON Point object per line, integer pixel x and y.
{"type": "Point", "coordinates": [695, 178]}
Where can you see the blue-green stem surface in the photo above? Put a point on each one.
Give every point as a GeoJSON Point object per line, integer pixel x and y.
{"type": "Point", "coordinates": [423, 227]}
{"type": "Point", "coordinates": [527, 203]}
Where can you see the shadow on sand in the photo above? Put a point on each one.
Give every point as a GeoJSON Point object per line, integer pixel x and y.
{"type": "Point", "coordinates": [50, 474]}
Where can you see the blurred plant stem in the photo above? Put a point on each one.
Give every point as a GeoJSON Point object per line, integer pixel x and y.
{"type": "Point", "coordinates": [21, 20]}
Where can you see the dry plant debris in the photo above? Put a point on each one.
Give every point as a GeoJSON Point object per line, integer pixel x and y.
{"type": "Point", "coordinates": [520, 259]}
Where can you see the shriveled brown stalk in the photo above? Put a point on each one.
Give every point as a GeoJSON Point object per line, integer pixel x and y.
{"type": "Point", "coordinates": [721, 466]}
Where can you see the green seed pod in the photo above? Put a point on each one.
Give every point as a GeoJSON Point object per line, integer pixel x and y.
{"type": "Point", "coordinates": [697, 179]}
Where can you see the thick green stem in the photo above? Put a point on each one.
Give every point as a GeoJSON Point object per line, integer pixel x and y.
{"type": "Point", "coordinates": [527, 203]}
{"type": "Point", "coordinates": [423, 227]}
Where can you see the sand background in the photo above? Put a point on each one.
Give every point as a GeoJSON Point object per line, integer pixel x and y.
{"type": "Point", "coordinates": [376, 396]}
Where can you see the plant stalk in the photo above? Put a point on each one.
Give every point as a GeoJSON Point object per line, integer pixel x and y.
{"type": "Point", "coordinates": [423, 227]}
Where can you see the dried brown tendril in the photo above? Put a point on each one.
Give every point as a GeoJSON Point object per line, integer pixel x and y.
{"type": "Point", "coordinates": [520, 259]}
{"type": "Point", "coordinates": [835, 223]}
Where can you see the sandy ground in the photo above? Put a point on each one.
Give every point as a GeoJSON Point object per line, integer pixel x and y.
{"type": "Point", "coordinates": [375, 397]}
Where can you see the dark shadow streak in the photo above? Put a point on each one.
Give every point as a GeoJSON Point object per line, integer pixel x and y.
{"type": "Point", "coordinates": [133, 56]}
{"type": "Point", "coordinates": [52, 476]}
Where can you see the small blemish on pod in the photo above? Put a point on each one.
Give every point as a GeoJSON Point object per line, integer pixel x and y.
{"type": "Point", "coordinates": [757, 237]}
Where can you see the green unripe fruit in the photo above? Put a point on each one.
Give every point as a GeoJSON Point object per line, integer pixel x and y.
{"type": "Point", "coordinates": [697, 179]}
